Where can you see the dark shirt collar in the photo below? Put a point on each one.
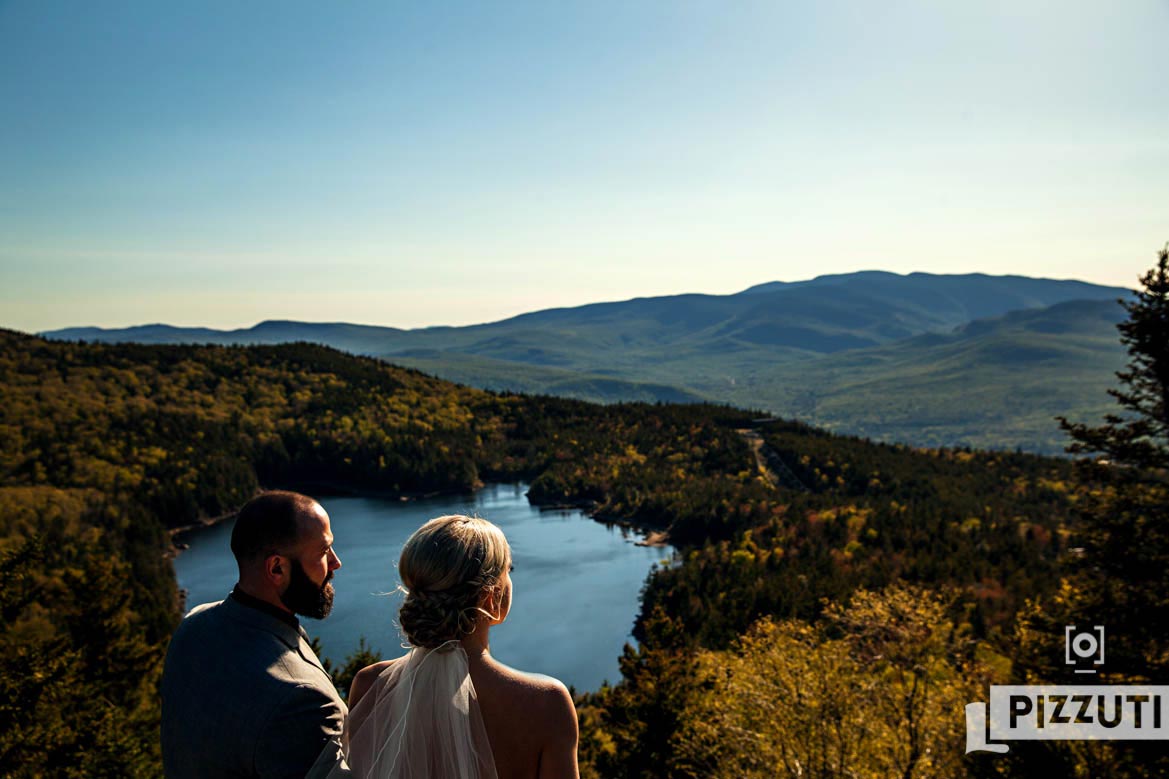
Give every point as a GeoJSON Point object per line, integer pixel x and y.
{"type": "Point", "coordinates": [252, 602]}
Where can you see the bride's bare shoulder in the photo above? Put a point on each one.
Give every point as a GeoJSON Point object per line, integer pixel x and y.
{"type": "Point", "coordinates": [364, 679]}
{"type": "Point", "coordinates": [549, 692]}
{"type": "Point", "coordinates": [538, 706]}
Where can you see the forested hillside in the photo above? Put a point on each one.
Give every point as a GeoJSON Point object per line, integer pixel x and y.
{"type": "Point", "coordinates": [104, 447]}
{"type": "Point", "coordinates": [924, 359]}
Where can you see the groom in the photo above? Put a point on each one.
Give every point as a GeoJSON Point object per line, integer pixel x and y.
{"type": "Point", "coordinates": [243, 694]}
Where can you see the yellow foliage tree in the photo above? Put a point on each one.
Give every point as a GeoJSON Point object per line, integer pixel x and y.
{"type": "Point", "coordinates": [875, 690]}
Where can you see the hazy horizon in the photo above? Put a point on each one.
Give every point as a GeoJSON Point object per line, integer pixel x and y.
{"type": "Point", "coordinates": [409, 166]}
{"type": "Point", "coordinates": [249, 325]}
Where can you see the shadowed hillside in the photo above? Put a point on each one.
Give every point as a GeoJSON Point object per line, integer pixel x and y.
{"type": "Point", "coordinates": [995, 383]}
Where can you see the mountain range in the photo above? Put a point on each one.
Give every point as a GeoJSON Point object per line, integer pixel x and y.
{"type": "Point", "coordinates": [926, 359]}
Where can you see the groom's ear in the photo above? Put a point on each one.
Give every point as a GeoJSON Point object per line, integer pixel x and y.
{"type": "Point", "coordinates": [276, 568]}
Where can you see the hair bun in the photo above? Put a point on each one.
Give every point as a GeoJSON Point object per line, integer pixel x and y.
{"type": "Point", "coordinates": [430, 618]}
{"type": "Point", "coordinates": [447, 567]}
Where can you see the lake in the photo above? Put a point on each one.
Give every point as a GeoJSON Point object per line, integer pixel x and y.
{"type": "Point", "coordinates": [576, 582]}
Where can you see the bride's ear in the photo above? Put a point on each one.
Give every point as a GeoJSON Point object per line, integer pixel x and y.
{"type": "Point", "coordinates": [489, 602]}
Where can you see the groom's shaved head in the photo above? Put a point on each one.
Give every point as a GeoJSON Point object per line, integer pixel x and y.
{"type": "Point", "coordinates": [270, 523]}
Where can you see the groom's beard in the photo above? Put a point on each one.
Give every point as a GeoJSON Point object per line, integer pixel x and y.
{"type": "Point", "coordinates": [305, 597]}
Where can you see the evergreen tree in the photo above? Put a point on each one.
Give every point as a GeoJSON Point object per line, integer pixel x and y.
{"type": "Point", "coordinates": [1120, 578]}
{"type": "Point", "coordinates": [1139, 436]}
{"type": "Point", "coordinates": [1124, 573]}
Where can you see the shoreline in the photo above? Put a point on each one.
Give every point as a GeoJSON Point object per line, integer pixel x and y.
{"type": "Point", "coordinates": [322, 489]}
{"type": "Point", "coordinates": [651, 536]}
{"type": "Point", "coordinates": [208, 522]}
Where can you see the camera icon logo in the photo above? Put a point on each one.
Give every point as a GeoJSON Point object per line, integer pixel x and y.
{"type": "Point", "coordinates": [1084, 647]}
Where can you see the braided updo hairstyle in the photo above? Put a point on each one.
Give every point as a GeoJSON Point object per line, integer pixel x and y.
{"type": "Point", "coordinates": [447, 567]}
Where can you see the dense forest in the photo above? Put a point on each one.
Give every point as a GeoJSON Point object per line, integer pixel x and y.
{"type": "Point", "coordinates": [863, 592]}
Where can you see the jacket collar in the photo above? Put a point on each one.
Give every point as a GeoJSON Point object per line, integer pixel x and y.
{"type": "Point", "coordinates": [292, 634]}
{"type": "Point", "coordinates": [251, 601]}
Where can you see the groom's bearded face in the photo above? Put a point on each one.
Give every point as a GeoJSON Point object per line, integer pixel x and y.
{"type": "Point", "coordinates": [305, 597]}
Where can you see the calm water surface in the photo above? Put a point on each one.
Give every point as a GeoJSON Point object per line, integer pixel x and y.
{"type": "Point", "coordinates": [576, 582]}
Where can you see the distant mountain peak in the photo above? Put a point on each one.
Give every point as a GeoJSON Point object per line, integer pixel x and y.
{"type": "Point", "coordinates": [916, 278]}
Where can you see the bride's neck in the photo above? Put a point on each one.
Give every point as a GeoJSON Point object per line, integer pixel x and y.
{"type": "Point", "coordinates": [477, 643]}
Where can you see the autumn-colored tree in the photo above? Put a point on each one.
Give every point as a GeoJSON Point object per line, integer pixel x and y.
{"type": "Point", "coordinates": [874, 690]}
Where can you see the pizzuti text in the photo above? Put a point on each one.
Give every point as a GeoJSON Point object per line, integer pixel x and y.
{"type": "Point", "coordinates": [1107, 710]}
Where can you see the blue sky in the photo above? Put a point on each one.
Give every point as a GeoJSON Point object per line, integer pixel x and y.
{"type": "Point", "coordinates": [221, 163]}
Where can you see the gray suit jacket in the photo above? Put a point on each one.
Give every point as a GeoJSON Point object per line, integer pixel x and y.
{"type": "Point", "coordinates": [243, 695]}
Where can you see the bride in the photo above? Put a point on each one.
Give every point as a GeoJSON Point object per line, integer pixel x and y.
{"type": "Point", "coordinates": [448, 709]}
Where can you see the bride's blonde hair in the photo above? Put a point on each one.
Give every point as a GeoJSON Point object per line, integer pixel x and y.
{"type": "Point", "coordinates": [447, 568]}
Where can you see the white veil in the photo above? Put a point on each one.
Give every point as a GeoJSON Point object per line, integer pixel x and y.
{"type": "Point", "coordinates": [419, 720]}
